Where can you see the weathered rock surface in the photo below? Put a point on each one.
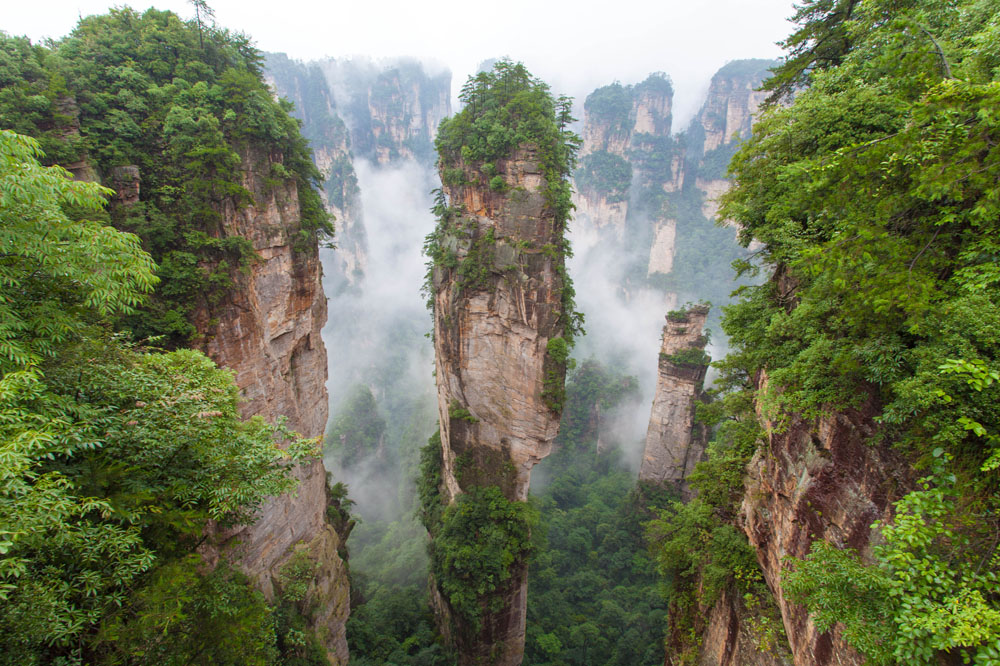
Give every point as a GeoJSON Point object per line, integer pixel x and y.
{"type": "Point", "coordinates": [601, 213]}
{"type": "Point", "coordinates": [712, 189]}
{"type": "Point", "coordinates": [267, 332]}
{"type": "Point", "coordinates": [733, 637]}
{"type": "Point", "coordinates": [819, 480]}
{"type": "Point", "coordinates": [732, 102]}
{"type": "Point", "coordinates": [490, 344]}
{"type": "Point", "coordinates": [637, 128]}
{"type": "Point", "coordinates": [392, 109]}
{"type": "Point", "coordinates": [306, 86]}
{"type": "Point", "coordinates": [674, 443]}
{"type": "Point", "coordinates": [491, 363]}
{"type": "Point", "coordinates": [661, 253]}
{"type": "Point", "coordinates": [125, 182]}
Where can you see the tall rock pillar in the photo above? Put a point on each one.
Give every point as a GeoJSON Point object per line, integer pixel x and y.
{"type": "Point", "coordinates": [502, 307]}
{"type": "Point", "coordinates": [674, 443]}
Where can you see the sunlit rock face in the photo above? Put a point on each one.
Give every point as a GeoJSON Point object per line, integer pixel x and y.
{"type": "Point", "coordinates": [491, 340]}
{"type": "Point", "coordinates": [674, 443]}
{"type": "Point", "coordinates": [267, 331]}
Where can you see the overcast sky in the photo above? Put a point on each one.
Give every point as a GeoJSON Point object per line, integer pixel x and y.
{"type": "Point", "coordinates": [575, 46]}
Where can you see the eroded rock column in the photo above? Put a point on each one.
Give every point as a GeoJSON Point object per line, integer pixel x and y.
{"type": "Point", "coordinates": [674, 442]}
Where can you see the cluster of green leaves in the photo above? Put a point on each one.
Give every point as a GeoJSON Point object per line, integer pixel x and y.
{"type": "Point", "coordinates": [932, 587]}
{"type": "Point", "coordinates": [507, 109]}
{"type": "Point", "coordinates": [688, 356]}
{"type": "Point", "coordinates": [593, 594]}
{"type": "Point", "coordinates": [187, 104]}
{"type": "Point", "coordinates": [875, 197]}
{"type": "Point", "coordinates": [113, 459]}
{"type": "Point", "coordinates": [429, 484]}
{"type": "Point", "coordinates": [606, 174]}
{"type": "Point", "coordinates": [483, 537]}
{"type": "Point", "coordinates": [610, 106]}
{"type": "Point", "coordinates": [396, 626]}
{"type": "Point", "coordinates": [557, 361]}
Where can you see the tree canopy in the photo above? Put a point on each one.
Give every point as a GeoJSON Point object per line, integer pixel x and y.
{"type": "Point", "coordinates": [874, 195]}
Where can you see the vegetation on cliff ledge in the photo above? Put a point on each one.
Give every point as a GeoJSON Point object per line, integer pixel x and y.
{"type": "Point", "coordinates": [114, 458]}
{"type": "Point", "coordinates": [875, 196]}
{"type": "Point", "coordinates": [186, 104]}
{"type": "Point", "coordinates": [505, 110]}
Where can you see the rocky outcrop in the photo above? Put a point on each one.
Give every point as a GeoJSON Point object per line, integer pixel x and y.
{"type": "Point", "coordinates": [671, 194]}
{"type": "Point", "coordinates": [496, 375]}
{"type": "Point", "coordinates": [595, 208]}
{"type": "Point", "coordinates": [725, 120]}
{"type": "Point", "coordinates": [392, 109]}
{"type": "Point", "coordinates": [490, 340]}
{"type": "Point", "coordinates": [674, 443]}
{"type": "Point", "coordinates": [732, 102]}
{"type": "Point", "coordinates": [661, 253]}
{"type": "Point", "coordinates": [405, 112]}
{"type": "Point", "coordinates": [735, 635]}
{"type": "Point", "coordinates": [125, 182]}
{"type": "Point", "coordinates": [623, 121]}
{"type": "Point", "coordinates": [267, 331]}
{"type": "Point", "coordinates": [818, 480]}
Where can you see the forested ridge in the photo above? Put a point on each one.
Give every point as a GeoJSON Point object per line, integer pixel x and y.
{"type": "Point", "coordinates": [871, 182]}
{"type": "Point", "coordinates": [186, 104]}
{"type": "Point", "coordinates": [117, 455]}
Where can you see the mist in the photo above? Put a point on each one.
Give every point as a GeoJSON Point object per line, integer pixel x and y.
{"type": "Point", "coordinates": [375, 334]}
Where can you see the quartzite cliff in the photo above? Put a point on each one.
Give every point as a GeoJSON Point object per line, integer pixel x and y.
{"type": "Point", "coordinates": [267, 331]}
{"type": "Point", "coordinates": [674, 442]}
{"type": "Point", "coordinates": [491, 342]}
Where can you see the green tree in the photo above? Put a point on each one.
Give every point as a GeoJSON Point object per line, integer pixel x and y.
{"type": "Point", "coordinates": [874, 195]}
{"type": "Point", "coordinates": [112, 459]}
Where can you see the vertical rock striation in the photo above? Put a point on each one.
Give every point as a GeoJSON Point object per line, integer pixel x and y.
{"type": "Point", "coordinates": [724, 121]}
{"type": "Point", "coordinates": [820, 480]}
{"type": "Point", "coordinates": [306, 86]}
{"type": "Point", "coordinates": [655, 193]}
{"type": "Point", "coordinates": [490, 338]}
{"type": "Point", "coordinates": [621, 123]}
{"type": "Point", "coordinates": [674, 443]}
{"type": "Point", "coordinates": [392, 110]}
{"type": "Point", "coordinates": [503, 319]}
{"type": "Point", "coordinates": [491, 362]}
{"type": "Point", "coordinates": [267, 331]}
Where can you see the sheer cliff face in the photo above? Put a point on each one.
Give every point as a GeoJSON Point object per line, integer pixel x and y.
{"type": "Point", "coordinates": [641, 184]}
{"type": "Point", "coordinates": [726, 119]}
{"type": "Point", "coordinates": [820, 480]}
{"type": "Point", "coordinates": [492, 366]}
{"type": "Point", "coordinates": [490, 339]}
{"type": "Point", "coordinates": [305, 85]}
{"type": "Point", "coordinates": [392, 110]}
{"type": "Point", "coordinates": [406, 108]}
{"type": "Point", "coordinates": [617, 122]}
{"type": "Point", "coordinates": [817, 480]}
{"type": "Point", "coordinates": [674, 444]}
{"type": "Point", "coordinates": [267, 332]}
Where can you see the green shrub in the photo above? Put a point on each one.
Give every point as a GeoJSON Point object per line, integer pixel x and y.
{"type": "Point", "coordinates": [483, 538]}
